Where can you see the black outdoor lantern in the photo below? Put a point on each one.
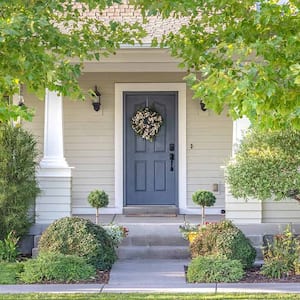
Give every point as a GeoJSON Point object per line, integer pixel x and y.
{"type": "Point", "coordinates": [96, 99]}
{"type": "Point", "coordinates": [202, 106]}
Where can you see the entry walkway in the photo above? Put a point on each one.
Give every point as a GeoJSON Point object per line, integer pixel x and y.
{"type": "Point", "coordinates": [168, 276]}
{"type": "Point", "coordinates": [151, 276]}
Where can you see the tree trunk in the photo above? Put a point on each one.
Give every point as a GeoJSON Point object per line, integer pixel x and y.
{"type": "Point", "coordinates": [97, 215]}
{"type": "Point", "coordinates": [203, 215]}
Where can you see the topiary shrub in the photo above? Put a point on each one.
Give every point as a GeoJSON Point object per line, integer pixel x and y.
{"type": "Point", "coordinates": [98, 199]}
{"type": "Point", "coordinates": [204, 198]}
{"type": "Point", "coordinates": [57, 267]}
{"type": "Point", "coordinates": [73, 235]}
{"type": "Point", "coordinates": [214, 269]}
{"type": "Point", "coordinates": [223, 239]}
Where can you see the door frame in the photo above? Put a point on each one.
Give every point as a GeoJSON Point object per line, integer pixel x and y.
{"type": "Point", "coordinates": [120, 88]}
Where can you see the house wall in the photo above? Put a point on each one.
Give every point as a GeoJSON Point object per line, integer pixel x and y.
{"type": "Point", "coordinates": [89, 140]}
{"type": "Point", "coordinates": [284, 211]}
{"type": "Point", "coordinates": [209, 146]}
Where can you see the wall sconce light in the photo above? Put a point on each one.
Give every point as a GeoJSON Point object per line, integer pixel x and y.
{"type": "Point", "coordinates": [215, 187]}
{"type": "Point", "coordinates": [96, 99]}
{"type": "Point", "coordinates": [202, 106]}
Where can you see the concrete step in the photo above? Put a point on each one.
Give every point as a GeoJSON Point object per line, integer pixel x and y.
{"type": "Point", "coordinates": [144, 234]}
{"type": "Point", "coordinates": [153, 240]}
{"type": "Point", "coordinates": [34, 252]}
{"type": "Point", "coordinates": [151, 210]}
{"type": "Point", "coordinates": [36, 240]}
{"type": "Point", "coordinates": [155, 252]}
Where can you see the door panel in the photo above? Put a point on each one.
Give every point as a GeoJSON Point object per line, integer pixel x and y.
{"type": "Point", "coordinates": [150, 176]}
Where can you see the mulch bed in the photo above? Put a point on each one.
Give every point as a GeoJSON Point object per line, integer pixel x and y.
{"type": "Point", "coordinates": [103, 276]}
{"type": "Point", "coordinates": [253, 276]}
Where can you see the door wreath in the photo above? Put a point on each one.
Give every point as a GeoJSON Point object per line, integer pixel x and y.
{"type": "Point", "coordinates": [146, 123]}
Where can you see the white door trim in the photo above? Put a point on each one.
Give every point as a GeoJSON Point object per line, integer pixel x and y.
{"type": "Point", "coordinates": [120, 88]}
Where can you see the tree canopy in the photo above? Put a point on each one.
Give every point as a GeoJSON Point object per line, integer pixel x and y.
{"type": "Point", "coordinates": [266, 166]}
{"type": "Point", "coordinates": [44, 44]}
{"type": "Point", "coordinates": [241, 54]}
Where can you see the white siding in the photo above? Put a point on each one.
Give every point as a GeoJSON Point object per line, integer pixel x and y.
{"type": "Point", "coordinates": [209, 145]}
{"type": "Point", "coordinates": [89, 139]}
{"type": "Point", "coordinates": [281, 211]}
{"type": "Point", "coordinates": [54, 201]}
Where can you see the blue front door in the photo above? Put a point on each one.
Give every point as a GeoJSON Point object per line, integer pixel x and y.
{"type": "Point", "coordinates": [150, 170]}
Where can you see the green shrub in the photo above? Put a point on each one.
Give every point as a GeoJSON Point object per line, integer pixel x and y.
{"type": "Point", "coordinates": [275, 269]}
{"type": "Point", "coordinates": [223, 239]}
{"type": "Point", "coordinates": [9, 248]}
{"type": "Point", "coordinates": [73, 235]}
{"type": "Point", "coordinates": [18, 185]}
{"type": "Point", "coordinates": [282, 255]}
{"type": "Point", "coordinates": [98, 199]}
{"type": "Point", "coordinates": [214, 269]}
{"type": "Point", "coordinates": [57, 267]}
{"type": "Point", "coordinates": [203, 198]}
{"type": "Point", "coordinates": [10, 272]}
{"type": "Point", "coordinates": [266, 165]}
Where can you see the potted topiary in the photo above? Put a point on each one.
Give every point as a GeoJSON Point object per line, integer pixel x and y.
{"type": "Point", "coordinates": [204, 198]}
{"type": "Point", "coordinates": [98, 199]}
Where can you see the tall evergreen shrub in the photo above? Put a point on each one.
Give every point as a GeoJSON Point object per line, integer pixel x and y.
{"type": "Point", "coordinates": [18, 185]}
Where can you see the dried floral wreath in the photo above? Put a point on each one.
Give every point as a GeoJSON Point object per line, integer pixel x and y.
{"type": "Point", "coordinates": [146, 123]}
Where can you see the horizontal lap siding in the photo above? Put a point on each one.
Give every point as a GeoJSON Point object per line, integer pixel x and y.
{"type": "Point", "coordinates": [89, 142]}
{"type": "Point", "coordinates": [89, 139]}
{"type": "Point", "coordinates": [284, 211]}
{"type": "Point", "coordinates": [209, 144]}
{"type": "Point", "coordinates": [89, 135]}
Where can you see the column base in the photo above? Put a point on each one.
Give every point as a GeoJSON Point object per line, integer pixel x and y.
{"type": "Point", "coordinates": [54, 201]}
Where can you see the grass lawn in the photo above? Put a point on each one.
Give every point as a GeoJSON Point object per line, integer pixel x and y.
{"type": "Point", "coordinates": [9, 272]}
{"type": "Point", "coordinates": [138, 296]}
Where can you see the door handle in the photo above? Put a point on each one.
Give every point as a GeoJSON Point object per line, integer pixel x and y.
{"type": "Point", "coordinates": [172, 156]}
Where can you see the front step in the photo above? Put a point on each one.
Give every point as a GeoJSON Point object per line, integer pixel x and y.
{"type": "Point", "coordinates": [153, 252]}
{"type": "Point", "coordinates": [153, 240]}
{"type": "Point", "coordinates": [151, 210]}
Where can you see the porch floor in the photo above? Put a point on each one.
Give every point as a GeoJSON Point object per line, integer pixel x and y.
{"type": "Point", "coordinates": [179, 219]}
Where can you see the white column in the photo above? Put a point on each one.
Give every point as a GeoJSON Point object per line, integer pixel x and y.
{"type": "Point", "coordinates": [54, 174]}
{"type": "Point", "coordinates": [240, 126]}
{"type": "Point", "coordinates": [240, 210]}
{"type": "Point", "coordinates": [53, 132]}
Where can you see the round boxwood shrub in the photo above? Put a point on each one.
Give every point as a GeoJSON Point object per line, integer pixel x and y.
{"type": "Point", "coordinates": [57, 267]}
{"type": "Point", "coordinates": [73, 235]}
{"type": "Point", "coordinates": [223, 239]}
{"type": "Point", "coordinates": [214, 269]}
